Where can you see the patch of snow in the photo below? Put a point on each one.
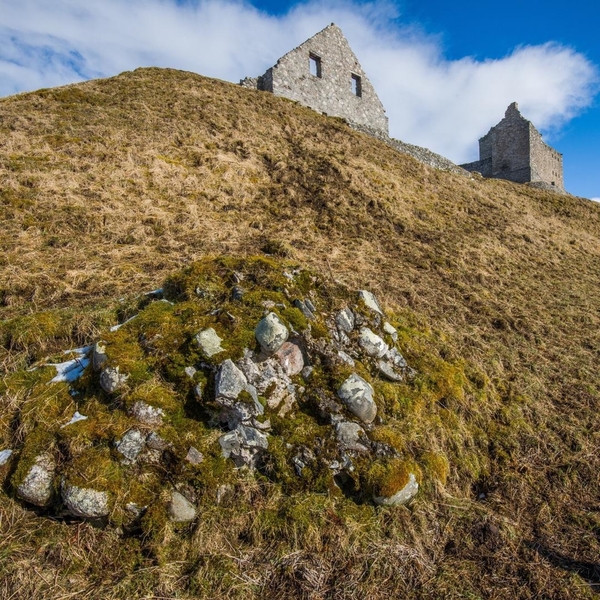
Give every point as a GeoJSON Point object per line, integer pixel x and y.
{"type": "Point", "coordinates": [76, 418]}
{"type": "Point", "coordinates": [117, 327]}
{"type": "Point", "coordinates": [69, 371]}
{"type": "Point", "coordinates": [155, 292]}
{"type": "Point", "coordinates": [5, 455]}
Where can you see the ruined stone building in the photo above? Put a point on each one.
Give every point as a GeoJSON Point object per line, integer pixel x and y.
{"type": "Point", "coordinates": [514, 150]}
{"type": "Point", "coordinates": [324, 74]}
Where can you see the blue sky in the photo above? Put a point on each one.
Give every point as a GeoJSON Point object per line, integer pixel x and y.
{"type": "Point", "coordinates": [445, 71]}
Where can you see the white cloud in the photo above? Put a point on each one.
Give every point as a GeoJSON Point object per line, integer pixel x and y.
{"type": "Point", "coordinates": [431, 101]}
{"type": "Point", "coordinates": [595, 199]}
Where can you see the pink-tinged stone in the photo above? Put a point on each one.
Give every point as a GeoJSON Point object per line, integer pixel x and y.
{"type": "Point", "coordinates": [290, 358]}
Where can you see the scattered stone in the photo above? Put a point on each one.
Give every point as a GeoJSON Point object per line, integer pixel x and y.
{"type": "Point", "coordinates": [237, 293]}
{"type": "Point", "coordinates": [302, 459]}
{"type": "Point", "coordinates": [146, 414]}
{"type": "Point", "coordinates": [5, 456]}
{"type": "Point", "coordinates": [99, 356]}
{"type": "Point", "coordinates": [271, 333]}
{"type": "Point", "coordinates": [290, 358]}
{"type": "Point", "coordinates": [387, 370]}
{"type": "Point", "coordinates": [346, 358]}
{"type": "Point", "coordinates": [155, 442]}
{"type": "Point", "coordinates": [307, 373]}
{"type": "Point", "coordinates": [131, 444]}
{"type": "Point", "coordinates": [190, 372]}
{"type": "Point", "coordinates": [349, 435]}
{"type": "Point", "coordinates": [370, 301]}
{"type": "Point", "coordinates": [303, 308]}
{"type": "Point", "coordinates": [37, 486]}
{"type": "Point", "coordinates": [244, 445]}
{"type": "Point", "coordinates": [371, 343]}
{"type": "Point", "coordinates": [230, 386]}
{"type": "Point", "coordinates": [84, 502]}
{"type": "Point", "coordinates": [310, 305]}
{"type": "Point", "coordinates": [230, 382]}
{"type": "Point", "coordinates": [396, 359]}
{"type": "Point", "coordinates": [345, 320]}
{"type": "Point", "coordinates": [391, 331]}
{"type": "Point", "coordinates": [180, 509]}
{"type": "Point", "coordinates": [209, 342]}
{"type": "Point", "coordinates": [408, 492]}
{"type": "Point", "coordinates": [111, 380]}
{"type": "Point", "coordinates": [357, 395]}
{"type": "Point", "coordinates": [194, 457]}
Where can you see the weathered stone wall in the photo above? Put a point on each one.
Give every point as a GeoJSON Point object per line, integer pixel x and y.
{"type": "Point", "coordinates": [546, 163]}
{"type": "Point", "coordinates": [514, 150]}
{"type": "Point", "coordinates": [330, 92]}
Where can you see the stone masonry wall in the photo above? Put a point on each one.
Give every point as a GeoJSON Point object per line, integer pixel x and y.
{"type": "Point", "coordinates": [514, 150]}
{"type": "Point", "coordinates": [331, 91]}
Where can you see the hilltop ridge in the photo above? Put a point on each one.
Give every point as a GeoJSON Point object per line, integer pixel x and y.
{"type": "Point", "coordinates": [109, 187]}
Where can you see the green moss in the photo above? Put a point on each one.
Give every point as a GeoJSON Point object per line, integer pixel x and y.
{"type": "Point", "coordinates": [387, 477]}
{"type": "Point", "coordinates": [436, 466]}
{"type": "Point", "coordinates": [39, 441]}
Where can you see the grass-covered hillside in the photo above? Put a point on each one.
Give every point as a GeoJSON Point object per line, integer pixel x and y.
{"type": "Point", "coordinates": [237, 204]}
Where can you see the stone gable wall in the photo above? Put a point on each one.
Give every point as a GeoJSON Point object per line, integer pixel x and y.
{"type": "Point", "coordinates": [331, 93]}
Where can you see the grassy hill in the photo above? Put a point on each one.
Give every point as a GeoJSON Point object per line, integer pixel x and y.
{"type": "Point", "coordinates": [108, 187]}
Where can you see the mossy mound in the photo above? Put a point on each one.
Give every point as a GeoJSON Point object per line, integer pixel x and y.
{"type": "Point", "coordinates": [288, 424]}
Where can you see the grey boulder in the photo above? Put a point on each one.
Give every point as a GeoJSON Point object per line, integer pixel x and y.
{"type": "Point", "coordinates": [357, 395]}
{"type": "Point", "coordinates": [209, 342]}
{"type": "Point", "coordinates": [271, 333]}
{"type": "Point", "coordinates": [371, 343]}
{"type": "Point", "coordinates": [244, 445]}
{"type": "Point", "coordinates": [370, 301]}
{"type": "Point", "coordinates": [180, 509]}
{"type": "Point", "coordinates": [345, 320]}
{"type": "Point", "coordinates": [111, 380]}
{"type": "Point", "coordinates": [131, 444]}
{"type": "Point", "coordinates": [351, 436]}
{"type": "Point", "coordinates": [37, 485]}
{"type": "Point", "coordinates": [85, 502]}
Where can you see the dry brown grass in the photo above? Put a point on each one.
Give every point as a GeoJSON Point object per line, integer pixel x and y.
{"type": "Point", "coordinates": [107, 186]}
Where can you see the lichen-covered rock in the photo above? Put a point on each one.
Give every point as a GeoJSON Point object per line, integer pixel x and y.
{"type": "Point", "coordinates": [236, 395]}
{"type": "Point", "coordinates": [357, 395]}
{"type": "Point", "coordinates": [396, 359]}
{"type": "Point", "coordinates": [351, 436]}
{"type": "Point", "coordinates": [209, 342]}
{"type": "Point", "coordinates": [244, 445]}
{"type": "Point", "coordinates": [371, 343]}
{"type": "Point", "coordinates": [391, 331]}
{"type": "Point", "coordinates": [84, 502]}
{"type": "Point", "coordinates": [388, 371]}
{"type": "Point", "coordinates": [131, 444]}
{"type": "Point", "coordinates": [290, 358]}
{"type": "Point", "coordinates": [345, 320]}
{"type": "Point", "coordinates": [146, 414]}
{"type": "Point", "coordinates": [37, 485]}
{"type": "Point", "coordinates": [271, 333]}
{"type": "Point", "coordinates": [111, 380]}
{"type": "Point", "coordinates": [370, 301]}
{"type": "Point", "coordinates": [402, 496]}
{"type": "Point", "coordinates": [194, 456]}
{"type": "Point", "coordinates": [180, 509]}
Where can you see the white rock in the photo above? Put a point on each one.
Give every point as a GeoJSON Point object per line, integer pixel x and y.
{"type": "Point", "coordinates": [271, 333]}
{"type": "Point", "coordinates": [370, 301]}
{"type": "Point", "coordinates": [390, 330]}
{"type": "Point", "coordinates": [37, 487]}
{"type": "Point", "coordinates": [345, 320]}
{"type": "Point", "coordinates": [146, 414]}
{"type": "Point", "coordinates": [111, 380]}
{"type": "Point", "coordinates": [401, 497]}
{"type": "Point", "coordinates": [357, 395]}
{"type": "Point", "coordinates": [181, 509]}
{"type": "Point", "coordinates": [131, 444]}
{"type": "Point", "coordinates": [371, 343]}
{"type": "Point", "coordinates": [84, 502]}
{"type": "Point", "coordinates": [209, 342]}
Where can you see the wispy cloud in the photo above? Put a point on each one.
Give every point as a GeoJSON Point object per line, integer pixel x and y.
{"type": "Point", "coordinates": [431, 101]}
{"type": "Point", "coordinates": [595, 199]}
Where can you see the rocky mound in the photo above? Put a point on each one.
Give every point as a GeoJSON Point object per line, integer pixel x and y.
{"type": "Point", "coordinates": [234, 364]}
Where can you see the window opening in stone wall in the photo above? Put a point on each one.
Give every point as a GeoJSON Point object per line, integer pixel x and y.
{"type": "Point", "coordinates": [356, 85]}
{"type": "Point", "coordinates": [315, 64]}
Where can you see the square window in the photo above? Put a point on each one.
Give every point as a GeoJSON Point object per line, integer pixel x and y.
{"type": "Point", "coordinates": [314, 64]}
{"type": "Point", "coordinates": [356, 85]}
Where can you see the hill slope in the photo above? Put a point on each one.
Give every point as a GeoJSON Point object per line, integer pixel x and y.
{"type": "Point", "coordinates": [108, 186]}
